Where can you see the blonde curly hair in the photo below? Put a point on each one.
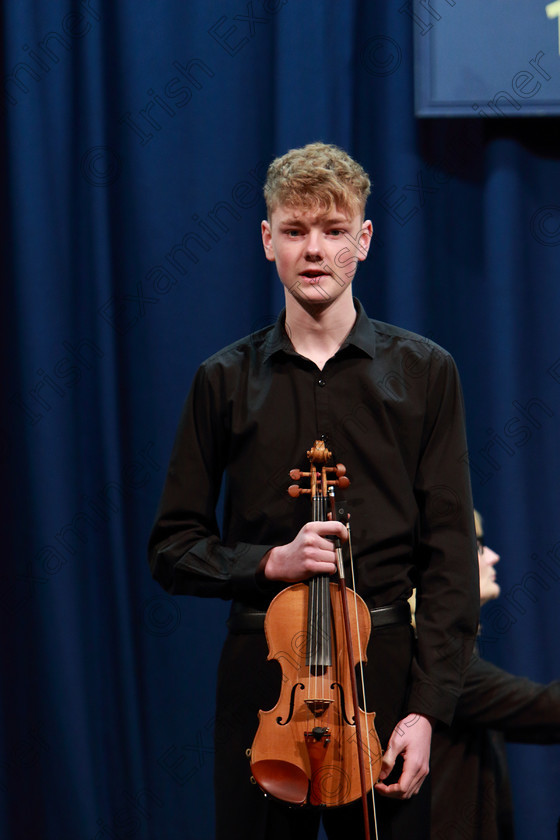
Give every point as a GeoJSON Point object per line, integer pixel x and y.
{"type": "Point", "coordinates": [316, 178]}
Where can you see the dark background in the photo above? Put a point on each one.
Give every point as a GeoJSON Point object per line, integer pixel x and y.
{"type": "Point", "coordinates": [130, 129]}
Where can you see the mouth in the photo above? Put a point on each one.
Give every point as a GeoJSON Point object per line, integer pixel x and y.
{"type": "Point", "coordinates": [314, 275]}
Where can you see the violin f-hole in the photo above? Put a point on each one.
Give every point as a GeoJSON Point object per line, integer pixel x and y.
{"type": "Point", "coordinates": [292, 703]}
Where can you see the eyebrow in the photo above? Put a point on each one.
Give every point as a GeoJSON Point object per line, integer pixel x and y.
{"type": "Point", "coordinates": [337, 220]}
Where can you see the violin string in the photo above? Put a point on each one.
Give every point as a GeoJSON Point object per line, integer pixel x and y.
{"type": "Point", "coordinates": [322, 613]}
{"type": "Point", "coordinates": [324, 628]}
{"type": "Point", "coordinates": [313, 627]}
{"type": "Point", "coordinates": [317, 648]}
{"type": "Point", "coordinates": [362, 679]}
{"type": "Point", "coordinates": [316, 613]}
{"type": "Point", "coordinates": [318, 516]}
{"type": "Point", "coordinates": [312, 642]}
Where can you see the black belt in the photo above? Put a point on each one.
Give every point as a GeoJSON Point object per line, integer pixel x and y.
{"type": "Point", "coordinates": [243, 619]}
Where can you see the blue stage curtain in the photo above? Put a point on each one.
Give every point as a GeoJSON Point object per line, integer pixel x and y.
{"type": "Point", "coordinates": [136, 136]}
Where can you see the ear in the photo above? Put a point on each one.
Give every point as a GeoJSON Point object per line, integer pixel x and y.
{"type": "Point", "coordinates": [364, 240]}
{"type": "Point", "coordinates": [266, 234]}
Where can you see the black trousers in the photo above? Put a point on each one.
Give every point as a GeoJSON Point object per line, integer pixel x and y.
{"type": "Point", "coordinates": [248, 682]}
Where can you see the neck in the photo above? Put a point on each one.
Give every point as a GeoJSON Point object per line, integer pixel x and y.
{"type": "Point", "coordinates": [317, 330]}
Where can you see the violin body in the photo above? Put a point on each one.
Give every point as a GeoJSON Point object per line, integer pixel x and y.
{"type": "Point", "coordinates": [306, 750]}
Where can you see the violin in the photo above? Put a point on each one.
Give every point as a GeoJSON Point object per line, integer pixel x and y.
{"type": "Point", "coordinates": [317, 746]}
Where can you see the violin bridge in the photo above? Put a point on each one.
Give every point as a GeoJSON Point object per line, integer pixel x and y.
{"type": "Point", "coordinates": [318, 707]}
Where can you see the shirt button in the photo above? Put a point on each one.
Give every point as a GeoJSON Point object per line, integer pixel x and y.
{"type": "Point", "coordinates": [322, 383]}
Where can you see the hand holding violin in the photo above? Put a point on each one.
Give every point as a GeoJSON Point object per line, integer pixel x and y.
{"type": "Point", "coordinates": [311, 552]}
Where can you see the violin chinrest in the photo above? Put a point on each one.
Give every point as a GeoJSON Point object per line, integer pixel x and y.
{"type": "Point", "coordinates": [282, 780]}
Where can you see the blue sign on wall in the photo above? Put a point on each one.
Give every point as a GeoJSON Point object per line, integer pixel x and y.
{"type": "Point", "coordinates": [486, 58]}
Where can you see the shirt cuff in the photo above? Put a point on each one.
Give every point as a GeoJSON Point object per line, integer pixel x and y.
{"type": "Point", "coordinates": [431, 701]}
{"type": "Point", "coordinates": [244, 580]}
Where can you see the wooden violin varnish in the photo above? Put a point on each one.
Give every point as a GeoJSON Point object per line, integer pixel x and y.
{"type": "Point", "coordinates": [317, 747]}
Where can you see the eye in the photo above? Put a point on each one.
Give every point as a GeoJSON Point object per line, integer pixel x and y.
{"type": "Point", "coordinates": [293, 233]}
{"type": "Point", "coordinates": [336, 232]}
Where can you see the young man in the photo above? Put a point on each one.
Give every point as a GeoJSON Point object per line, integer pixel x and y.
{"type": "Point", "coordinates": [388, 404]}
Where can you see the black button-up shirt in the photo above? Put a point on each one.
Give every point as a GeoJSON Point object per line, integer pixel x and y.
{"type": "Point", "coordinates": [389, 406]}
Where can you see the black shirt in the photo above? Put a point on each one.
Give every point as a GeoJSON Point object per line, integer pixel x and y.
{"type": "Point", "coordinates": [390, 407]}
{"type": "Point", "coordinates": [471, 796]}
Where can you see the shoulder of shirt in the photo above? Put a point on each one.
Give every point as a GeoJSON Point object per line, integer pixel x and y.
{"type": "Point", "coordinates": [254, 342]}
{"type": "Point", "coordinates": [239, 349]}
{"type": "Point", "coordinates": [408, 338]}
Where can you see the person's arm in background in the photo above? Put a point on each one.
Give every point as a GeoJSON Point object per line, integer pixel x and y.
{"type": "Point", "coordinates": [525, 711]}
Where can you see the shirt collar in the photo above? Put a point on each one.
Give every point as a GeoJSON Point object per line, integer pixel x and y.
{"type": "Point", "coordinates": [361, 336]}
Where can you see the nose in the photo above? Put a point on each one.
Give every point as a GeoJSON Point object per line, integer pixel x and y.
{"type": "Point", "coordinates": [490, 556]}
{"type": "Point", "coordinates": [314, 247]}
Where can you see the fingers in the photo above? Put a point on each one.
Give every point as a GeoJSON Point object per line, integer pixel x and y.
{"type": "Point", "coordinates": [404, 789]}
{"type": "Point", "coordinates": [407, 786]}
{"type": "Point", "coordinates": [389, 758]}
{"type": "Point", "coordinates": [311, 553]}
{"type": "Point", "coordinates": [328, 528]}
{"type": "Point", "coordinates": [411, 739]}
{"type": "Point", "coordinates": [315, 540]}
{"type": "Point", "coordinates": [317, 547]}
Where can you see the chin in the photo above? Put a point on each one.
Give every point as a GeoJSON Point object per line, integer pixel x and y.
{"type": "Point", "coordinates": [314, 296]}
{"type": "Point", "coordinates": [490, 593]}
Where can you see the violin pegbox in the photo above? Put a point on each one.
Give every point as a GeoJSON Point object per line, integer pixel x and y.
{"type": "Point", "coordinates": [320, 456]}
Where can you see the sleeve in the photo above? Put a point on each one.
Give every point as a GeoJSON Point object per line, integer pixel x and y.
{"type": "Point", "coordinates": [525, 711]}
{"type": "Point", "coordinates": [185, 551]}
{"type": "Point", "coordinates": [448, 599]}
